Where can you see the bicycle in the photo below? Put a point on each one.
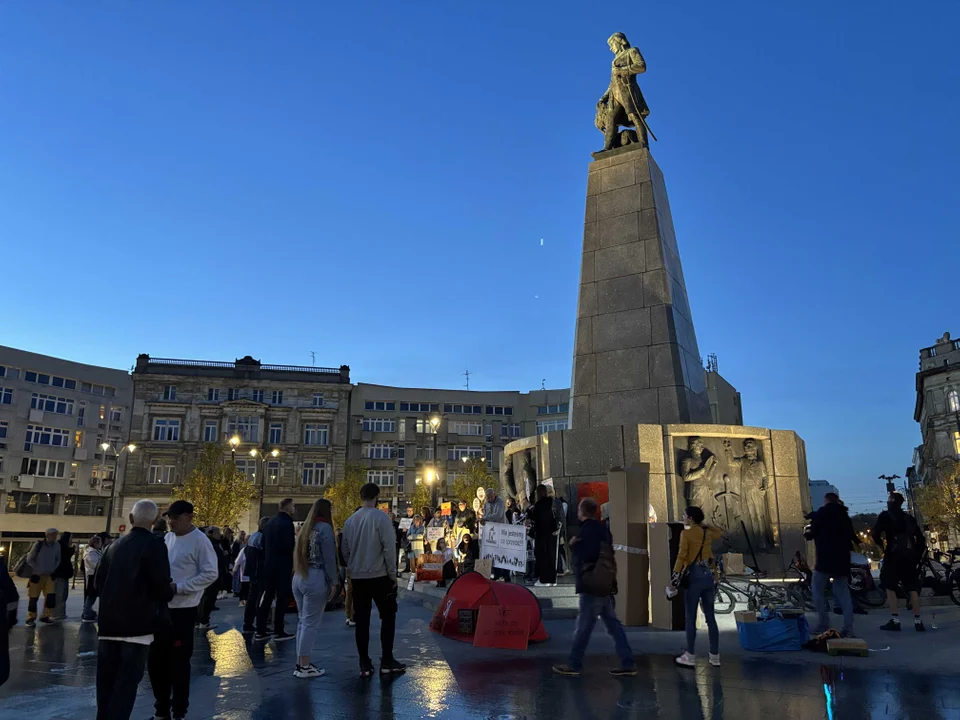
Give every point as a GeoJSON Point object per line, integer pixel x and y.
{"type": "Point", "coordinates": [754, 592]}
{"type": "Point", "coordinates": [942, 578]}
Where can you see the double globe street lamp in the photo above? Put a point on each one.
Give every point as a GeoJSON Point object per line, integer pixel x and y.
{"type": "Point", "coordinates": [129, 447]}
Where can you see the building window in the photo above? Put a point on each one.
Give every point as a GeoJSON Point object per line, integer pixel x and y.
{"type": "Point", "coordinates": [544, 426]}
{"type": "Point", "coordinates": [115, 415]}
{"type": "Point", "coordinates": [465, 428]}
{"type": "Point", "coordinates": [44, 468]}
{"type": "Point", "coordinates": [233, 393]}
{"type": "Point", "coordinates": [463, 409]}
{"type": "Point", "coordinates": [276, 433]}
{"type": "Point", "coordinates": [956, 441]}
{"type": "Point", "coordinates": [953, 401]}
{"type": "Point", "coordinates": [51, 403]}
{"type": "Point", "coordinates": [378, 451]}
{"type": "Point", "coordinates": [499, 410]}
{"type": "Point", "coordinates": [257, 396]}
{"type": "Point", "coordinates": [166, 430]}
{"type": "Point", "coordinates": [401, 457]}
{"type": "Point", "coordinates": [37, 435]}
{"type": "Point", "coordinates": [88, 505]}
{"type": "Point", "coordinates": [276, 397]}
{"type": "Point", "coordinates": [94, 389]}
{"type": "Point", "coordinates": [52, 380]}
{"type": "Point", "coordinates": [318, 399]}
{"type": "Point", "coordinates": [419, 407]}
{"type": "Point", "coordinates": [247, 466]}
{"type": "Point", "coordinates": [210, 431]}
{"type": "Point", "coordinates": [247, 427]}
{"type": "Point", "coordinates": [425, 452]}
{"type": "Point", "coordinates": [314, 473]}
{"type": "Point", "coordinates": [458, 452]}
{"type": "Point", "coordinates": [425, 427]}
{"type": "Point", "coordinates": [30, 503]}
{"type": "Point", "coordinates": [383, 478]}
{"type": "Point", "coordinates": [6, 396]}
{"type": "Point", "coordinates": [273, 472]}
{"type": "Point", "coordinates": [381, 405]}
{"type": "Point", "coordinates": [399, 482]}
{"type": "Point", "coordinates": [81, 410]}
{"type": "Point", "coordinates": [379, 425]}
{"type": "Point", "coordinates": [553, 409]}
{"type": "Point", "coordinates": [510, 430]}
{"type": "Point", "coordinates": [161, 475]}
{"type": "Point", "coordinates": [213, 394]}
{"type": "Point", "coordinates": [78, 439]}
{"type": "Point", "coordinates": [103, 413]}
{"type": "Point", "coordinates": [315, 434]}
{"type": "Point", "coordinates": [402, 429]}
{"type": "Point", "coordinates": [3, 429]}
{"type": "Point", "coordinates": [169, 392]}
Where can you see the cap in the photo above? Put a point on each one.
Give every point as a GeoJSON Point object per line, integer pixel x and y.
{"type": "Point", "coordinates": [51, 530]}
{"type": "Point", "coordinates": [178, 508]}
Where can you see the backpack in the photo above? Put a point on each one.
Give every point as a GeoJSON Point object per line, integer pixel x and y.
{"type": "Point", "coordinates": [902, 541]}
{"type": "Point", "coordinates": [600, 577]}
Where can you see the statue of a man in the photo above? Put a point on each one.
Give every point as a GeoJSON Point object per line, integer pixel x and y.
{"type": "Point", "coordinates": [699, 470]}
{"type": "Point", "coordinates": [753, 491]}
{"type": "Point", "coordinates": [623, 103]}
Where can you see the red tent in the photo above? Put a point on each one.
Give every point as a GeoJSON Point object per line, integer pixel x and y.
{"type": "Point", "coordinates": [469, 592]}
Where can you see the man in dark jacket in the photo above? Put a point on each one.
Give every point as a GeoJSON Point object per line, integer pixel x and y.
{"type": "Point", "coordinates": [9, 599]}
{"type": "Point", "coordinates": [134, 584]}
{"type": "Point", "coordinates": [279, 539]}
{"type": "Point", "coordinates": [832, 532]}
{"type": "Point", "coordinates": [252, 566]}
{"type": "Point", "coordinates": [903, 543]}
{"type": "Point", "coordinates": [545, 531]}
{"type": "Point", "coordinates": [586, 549]}
{"type": "Point", "coordinates": [208, 603]}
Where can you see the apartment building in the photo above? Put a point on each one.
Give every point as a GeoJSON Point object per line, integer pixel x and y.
{"type": "Point", "coordinates": [55, 415]}
{"type": "Point", "coordinates": [285, 427]}
{"type": "Point", "coordinates": [403, 435]}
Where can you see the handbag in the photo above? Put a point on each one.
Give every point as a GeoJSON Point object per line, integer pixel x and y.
{"type": "Point", "coordinates": [22, 570]}
{"type": "Point", "coordinates": [684, 581]}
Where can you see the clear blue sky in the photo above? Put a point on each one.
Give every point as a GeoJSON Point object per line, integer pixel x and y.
{"type": "Point", "coordinates": [372, 181]}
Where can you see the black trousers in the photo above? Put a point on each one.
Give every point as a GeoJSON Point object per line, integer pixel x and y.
{"type": "Point", "coordinates": [383, 592]}
{"type": "Point", "coordinates": [169, 663]}
{"type": "Point", "coordinates": [207, 602]}
{"type": "Point", "coordinates": [253, 602]}
{"type": "Point", "coordinates": [275, 586]}
{"type": "Point", "coordinates": [120, 668]}
{"type": "Point", "coordinates": [545, 552]}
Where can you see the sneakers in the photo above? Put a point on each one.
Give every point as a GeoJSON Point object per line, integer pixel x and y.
{"type": "Point", "coordinates": [205, 626]}
{"type": "Point", "coordinates": [281, 636]}
{"type": "Point", "coordinates": [686, 660]}
{"type": "Point", "coordinates": [46, 620]}
{"type": "Point", "coordinates": [366, 669]}
{"type": "Point", "coordinates": [891, 625]}
{"type": "Point", "coordinates": [623, 672]}
{"type": "Point", "coordinates": [310, 671]}
{"type": "Point", "coordinates": [31, 623]}
{"type": "Point", "coordinates": [391, 666]}
{"type": "Point", "coordinates": [542, 584]}
{"type": "Point", "coordinates": [568, 671]}
{"type": "Point", "coordinates": [262, 637]}
{"type": "Point", "coordinates": [350, 623]}
{"type": "Point", "coordinates": [715, 659]}
{"type": "Point", "coordinates": [918, 626]}
{"type": "Point", "coordinates": [88, 620]}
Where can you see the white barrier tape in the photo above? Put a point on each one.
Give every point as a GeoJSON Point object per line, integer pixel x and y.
{"type": "Point", "coordinates": [631, 550]}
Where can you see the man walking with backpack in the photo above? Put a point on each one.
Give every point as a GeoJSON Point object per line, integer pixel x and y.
{"type": "Point", "coordinates": [902, 551]}
{"type": "Point", "coordinates": [596, 571]}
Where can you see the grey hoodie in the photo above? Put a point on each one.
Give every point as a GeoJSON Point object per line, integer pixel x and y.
{"type": "Point", "coordinates": [44, 558]}
{"type": "Point", "coordinates": [369, 545]}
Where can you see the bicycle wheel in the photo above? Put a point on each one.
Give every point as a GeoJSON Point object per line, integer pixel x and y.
{"type": "Point", "coordinates": [724, 602]}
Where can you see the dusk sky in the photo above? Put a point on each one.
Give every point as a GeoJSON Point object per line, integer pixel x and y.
{"type": "Point", "coordinates": [400, 187]}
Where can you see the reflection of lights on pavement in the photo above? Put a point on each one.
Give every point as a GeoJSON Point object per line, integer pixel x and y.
{"type": "Point", "coordinates": [229, 653]}
{"type": "Point", "coordinates": [828, 692]}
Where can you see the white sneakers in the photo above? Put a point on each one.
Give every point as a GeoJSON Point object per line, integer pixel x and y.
{"type": "Point", "coordinates": [310, 671]}
{"type": "Point", "coordinates": [540, 584]}
{"type": "Point", "coordinates": [688, 660]}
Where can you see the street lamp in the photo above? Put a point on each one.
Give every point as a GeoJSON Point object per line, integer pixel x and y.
{"type": "Point", "coordinates": [234, 444]}
{"type": "Point", "coordinates": [433, 480]}
{"type": "Point", "coordinates": [434, 485]}
{"type": "Point", "coordinates": [129, 447]}
{"type": "Point", "coordinates": [256, 454]}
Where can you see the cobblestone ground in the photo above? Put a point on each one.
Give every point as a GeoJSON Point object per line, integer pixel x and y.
{"type": "Point", "coordinates": [233, 679]}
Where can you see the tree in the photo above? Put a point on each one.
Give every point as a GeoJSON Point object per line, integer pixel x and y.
{"type": "Point", "coordinates": [344, 496]}
{"type": "Point", "coordinates": [475, 475]}
{"type": "Point", "coordinates": [939, 501]}
{"type": "Point", "coordinates": [419, 497]}
{"type": "Point", "coordinates": [220, 493]}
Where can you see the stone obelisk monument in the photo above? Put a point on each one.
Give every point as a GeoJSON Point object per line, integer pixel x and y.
{"type": "Point", "coordinates": [635, 356]}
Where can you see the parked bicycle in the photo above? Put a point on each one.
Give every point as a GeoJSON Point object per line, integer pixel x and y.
{"type": "Point", "coordinates": [755, 593]}
{"type": "Point", "coordinates": [942, 578]}
{"type": "Point", "coordinates": [863, 588]}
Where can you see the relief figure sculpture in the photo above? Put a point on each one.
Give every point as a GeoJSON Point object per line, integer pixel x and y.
{"type": "Point", "coordinates": [753, 489]}
{"type": "Point", "coordinates": [698, 471]}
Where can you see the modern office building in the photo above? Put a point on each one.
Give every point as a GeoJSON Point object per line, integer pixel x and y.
{"type": "Point", "coordinates": [55, 416]}
{"type": "Point", "coordinates": [405, 435]}
{"type": "Point", "coordinates": [819, 488]}
{"type": "Point", "coordinates": [288, 425]}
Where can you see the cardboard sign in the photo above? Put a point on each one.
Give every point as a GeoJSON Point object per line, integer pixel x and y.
{"type": "Point", "coordinates": [435, 533]}
{"type": "Point", "coordinates": [481, 494]}
{"type": "Point", "coordinates": [503, 626]}
{"type": "Point", "coordinates": [446, 509]}
{"type": "Point", "coordinates": [429, 567]}
{"type": "Point", "coordinates": [505, 544]}
{"type": "Point", "coordinates": [405, 523]}
{"type": "Point", "coordinates": [466, 621]}
{"type": "Point", "coordinates": [476, 505]}
{"type": "Point", "coordinates": [484, 566]}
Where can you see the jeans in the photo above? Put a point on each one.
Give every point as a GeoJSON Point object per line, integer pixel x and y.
{"type": "Point", "coordinates": [275, 585]}
{"type": "Point", "coordinates": [207, 602]}
{"type": "Point", "coordinates": [119, 672]}
{"type": "Point", "coordinates": [89, 598]}
{"type": "Point", "coordinates": [383, 592]}
{"type": "Point", "coordinates": [841, 594]}
{"type": "Point", "coordinates": [253, 602]}
{"type": "Point", "coordinates": [590, 607]}
{"type": "Point", "coordinates": [61, 587]}
{"type": "Point", "coordinates": [310, 592]}
{"type": "Point", "coordinates": [169, 663]}
{"type": "Point", "coordinates": [702, 591]}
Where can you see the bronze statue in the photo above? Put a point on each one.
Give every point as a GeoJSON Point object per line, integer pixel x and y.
{"type": "Point", "coordinates": [753, 490]}
{"type": "Point", "coordinates": [529, 475]}
{"type": "Point", "coordinates": [623, 103]}
{"type": "Point", "coordinates": [509, 484]}
{"type": "Point", "coordinates": [698, 472]}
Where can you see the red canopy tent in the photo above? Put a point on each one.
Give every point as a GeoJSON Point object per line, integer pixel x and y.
{"type": "Point", "coordinates": [472, 590]}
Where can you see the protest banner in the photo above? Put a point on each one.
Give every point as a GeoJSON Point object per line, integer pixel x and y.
{"type": "Point", "coordinates": [503, 626]}
{"type": "Point", "coordinates": [434, 534]}
{"type": "Point", "coordinates": [446, 509]}
{"type": "Point", "coordinates": [405, 523]}
{"type": "Point", "coordinates": [505, 544]}
{"type": "Point", "coordinates": [429, 567]}
{"type": "Point", "coordinates": [484, 566]}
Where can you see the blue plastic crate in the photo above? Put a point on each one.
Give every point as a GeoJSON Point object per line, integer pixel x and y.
{"type": "Point", "coordinates": [774, 635]}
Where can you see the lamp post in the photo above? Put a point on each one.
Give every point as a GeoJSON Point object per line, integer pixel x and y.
{"type": "Point", "coordinates": [256, 454]}
{"type": "Point", "coordinates": [234, 444]}
{"type": "Point", "coordinates": [129, 447]}
{"type": "Point", "coordinates": [435, 481]}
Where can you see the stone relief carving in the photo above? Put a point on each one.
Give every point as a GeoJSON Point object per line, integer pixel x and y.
{"type": "Point", "coordinates": [753, 489]}
{"type": "Point", "coordinates": [623, 103]}
{"type": "Point", "coordinates": [529, 475]}
{"type": "Point", "coordinates": [508, 482]}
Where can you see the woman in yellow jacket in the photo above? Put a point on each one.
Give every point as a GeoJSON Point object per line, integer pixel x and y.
{"type": "Point", "coordinates": [696, 557]}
